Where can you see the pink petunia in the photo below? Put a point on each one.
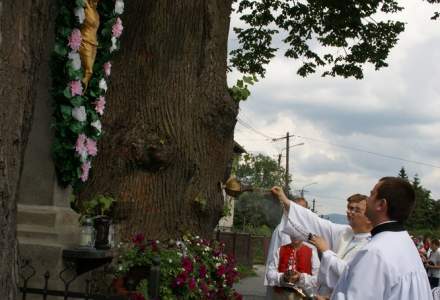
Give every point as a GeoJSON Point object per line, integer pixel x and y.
{"type": "Point", "coordinates": [100, 105]}
{"type": "Point", "coordinates": [117, 28]}
{"type": "Point", "coordinates": [75, 39]}
{"type": "Point", "coordinates": [85, 168]}
{"type": "Point", "coordinates": [138, 239]}
{"type": "Point", "coordinates": [76, 88]}
{"type": "Point", "coordinates": [80, 146]}
{"type": "Point", "coordinates": [202, 271]}
{"type": "Point", "coordinates": [92, 150]}
{"type": "Point", "coordinates": [187, 264]}
{"type": "Point", "coordinates": [107, 68]}
{"type": "Point", "coordinates": [192, 283]}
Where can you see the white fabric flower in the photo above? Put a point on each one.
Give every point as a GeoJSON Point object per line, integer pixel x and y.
{"type": "Point", "coordinates": [80, 14]}
{"type": "Point", "coordinates": [103, 84]}
{"type": "Point", "coordinates": [119, 7]}
{"type": "Point", "coordinates": [97, 124]}
{"type": "Point", "coordinates": [114, 46]}
{"type": "Point", "coordinates": [76, 60]}
{"type": "Point", "coordinates": [79, 113]}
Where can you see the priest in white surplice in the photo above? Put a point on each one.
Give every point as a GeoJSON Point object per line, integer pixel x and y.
{"type": "Point", "coordinates": [343, 240]}
{"type": "Point", "coordinates": [389, 266]}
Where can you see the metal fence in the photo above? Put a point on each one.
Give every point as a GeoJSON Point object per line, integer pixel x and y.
{"type": "Point", "coordinates": [28, 272]}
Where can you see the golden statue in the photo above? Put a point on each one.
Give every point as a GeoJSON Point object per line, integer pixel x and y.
{"type": "Point", "coordinates": [89, 43]}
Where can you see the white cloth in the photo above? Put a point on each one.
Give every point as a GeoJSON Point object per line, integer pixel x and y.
{"type": "Point", "coordinates": [435, 258]}
{"type": "Point", "coordinates": [333, 264]}
{"type": "Point", "coordinates": [277, 240]}
{"type": "Point", "coordinates": [436, 293]}
{"type": "Point", "coordinates": [342, 242]}
{"type": "Point", "coordinates": [388, 267]}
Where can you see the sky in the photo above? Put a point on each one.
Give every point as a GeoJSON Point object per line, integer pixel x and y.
{"type": "Point", "coordinates": [394, 112]}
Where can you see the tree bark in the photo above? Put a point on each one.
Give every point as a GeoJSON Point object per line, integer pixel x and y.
{"type": "Point", "coordinates": [169, 121]}
{"type": "Point", "coordinates": [23, 25]}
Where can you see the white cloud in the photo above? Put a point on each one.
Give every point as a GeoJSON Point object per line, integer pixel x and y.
{"type": "Point", "coordinates": [394, 111]}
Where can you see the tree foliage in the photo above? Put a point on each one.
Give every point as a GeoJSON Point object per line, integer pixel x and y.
{"type": "Point", "coordinates": [256, 212]}
{"type": "Point", "coordinates": [345, 30]}
{"type": "Point", "coordinates": [426, 214]}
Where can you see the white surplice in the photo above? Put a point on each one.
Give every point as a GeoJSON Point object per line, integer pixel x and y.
{"type": "Point", "coordinates": [333, 264]}
{"type": "Point", "coordinates": [277, 240]}
{"type": "Point", "coordinates": [387, 268]}
{"type": "Point", "coordinates": [341, 238]}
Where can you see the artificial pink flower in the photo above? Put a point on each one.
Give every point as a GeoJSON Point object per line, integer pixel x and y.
{"type": "Point", "coordinates": [117, 28]}
{"type": "Point", "coordinates": [80, 146]}
{"type": "Point", "coordinates": [76, 88]}
{"type": "Point", "coordinates": [85, 168]}
{"type": "Point", "coordinates": [100, 105]}
{"type": "Point", "coordinates": [107, 68]}
{"type": "Point", "coordinates": [75, 39]}
{"type": "Point", "coordinates": [92, 150]}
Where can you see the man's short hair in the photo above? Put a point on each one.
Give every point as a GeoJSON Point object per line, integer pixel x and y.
{"type": "Point", "coordinates": [301, 199]}
{"type": "Point", "coordinates": [400, 197]}
{"type": "Point", "coordinates": [435, 242]}
{"type": "Point", "coordinates": [356, 198]}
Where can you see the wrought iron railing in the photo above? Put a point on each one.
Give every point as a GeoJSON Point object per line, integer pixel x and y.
{"type": "Point", "coordinates": [28, 272]}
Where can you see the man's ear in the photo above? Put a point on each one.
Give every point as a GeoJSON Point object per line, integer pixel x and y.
{"type": "Point", "coordinates": [382, 205]}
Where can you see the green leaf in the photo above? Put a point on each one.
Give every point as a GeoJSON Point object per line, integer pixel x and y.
{"type": "Point", "coordinates": [80, 3]}
{"type": "Point", "coordinates": [66, 111]}
{"type": "Point", "coordinates": [77, 101]}
{"type": "Point", "coordinates": [76, 127]}
{"type": "Point", "coordinates": [67, 93]}
{"type": "Point", "coordinates": [60, 49]}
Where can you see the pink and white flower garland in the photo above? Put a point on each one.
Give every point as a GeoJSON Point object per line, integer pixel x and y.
{"type": "Point", "coordinates": [86, 147]}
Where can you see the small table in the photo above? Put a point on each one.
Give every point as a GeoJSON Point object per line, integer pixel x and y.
{"type": "Point", "coordinates": [86, 259]}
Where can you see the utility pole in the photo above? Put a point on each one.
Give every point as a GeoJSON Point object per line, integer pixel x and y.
{"type": "Point", "coordinates": [286, 179]}
{"type": "Point", "coordinates": [287, 163]}
{"type": "Point", "coordinates": [313, 205]}
{"type": "Point", "coordinates": [279, 159]}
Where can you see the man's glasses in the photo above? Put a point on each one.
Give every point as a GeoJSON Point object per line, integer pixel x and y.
{"type": "Point", "coordinates": [354, 210]}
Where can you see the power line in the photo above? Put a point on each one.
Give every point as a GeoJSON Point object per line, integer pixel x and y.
{"type": "Point", "coordinates": [248, 126]}
{"type": "Point", "coordinates": [369, 152]}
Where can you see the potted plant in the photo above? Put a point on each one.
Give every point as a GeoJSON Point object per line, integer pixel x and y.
{"type": "Point", "coordinates": [98, 210]}
{"type": "Point", "coordinates": [192, 268]}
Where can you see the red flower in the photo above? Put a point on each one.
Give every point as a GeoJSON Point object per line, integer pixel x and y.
{"type": "Point", "coordinates": [192, 283]}
{"type": "Point", "coordinates": [138, 239]}
{"type": "Point", "coordinates": [220, 270]}
{"type": "Point", "coordinates": [187, 264]}
{"type": "Point", "coordinates": [202, 271]}
{"type": "Point", "coordinates": [154, 246]}
{"type": "Point", "coordinates": [237, 296]}
{"type": "Point", "coordinates": [136, 296]}
{"type": "Point", "coordinates": [180, 279]}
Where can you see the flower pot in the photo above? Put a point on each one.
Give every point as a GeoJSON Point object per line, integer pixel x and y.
{"type": "Point", "coordinates": [102, 226]}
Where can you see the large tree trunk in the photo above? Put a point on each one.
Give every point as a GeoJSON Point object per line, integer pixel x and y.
{"type": "Point", "coordinates": [169, 120]}
{"type": "Point", "coordinates": [23, 24]}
